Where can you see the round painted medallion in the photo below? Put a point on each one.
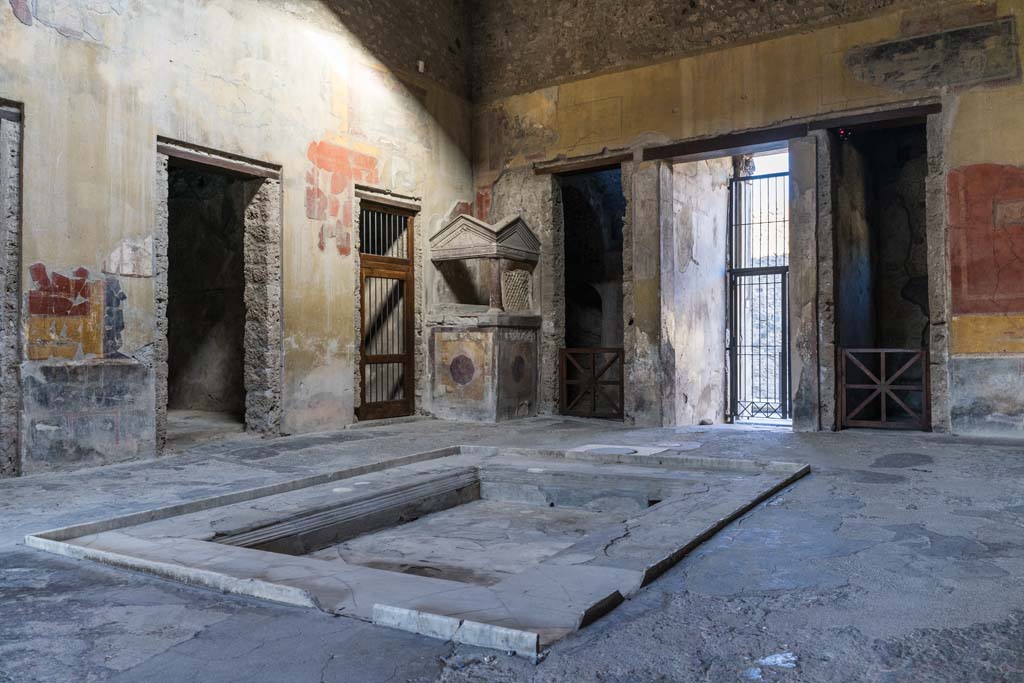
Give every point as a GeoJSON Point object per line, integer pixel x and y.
{"type": "Point", "coordinates": [462, 369]}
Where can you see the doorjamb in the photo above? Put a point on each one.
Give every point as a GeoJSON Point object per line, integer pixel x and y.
{"type": "Point", "coordinates": [11, 238]}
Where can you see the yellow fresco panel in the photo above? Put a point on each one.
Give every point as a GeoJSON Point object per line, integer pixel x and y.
{"type": "Point", "coordinates": [988, 334]}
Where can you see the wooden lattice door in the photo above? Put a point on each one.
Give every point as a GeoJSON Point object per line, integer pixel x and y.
{"type": "Point", "coordinates": [386, 359]}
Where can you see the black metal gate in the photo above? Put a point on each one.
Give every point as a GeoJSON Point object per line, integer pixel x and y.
{"type": "Point", "coordinates": [758, 334]}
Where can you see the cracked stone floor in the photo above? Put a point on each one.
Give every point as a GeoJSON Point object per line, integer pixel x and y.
{"type": "Point", "coordinates": [900, 558]}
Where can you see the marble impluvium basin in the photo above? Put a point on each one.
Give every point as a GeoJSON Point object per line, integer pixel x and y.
{"type": "Point", "coordinates": [498, 548]}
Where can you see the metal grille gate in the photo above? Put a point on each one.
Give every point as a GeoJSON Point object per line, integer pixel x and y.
{"type": "Point", "coordinates": [884, 388]}
{"type": "Point", "coordinates": [592, 383]}
{"type": "Point", "coordinates": [758, 340]}
{"type": "Point", "coordinates": [386, 360]}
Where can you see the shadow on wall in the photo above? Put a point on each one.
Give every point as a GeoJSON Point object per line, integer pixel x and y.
{"type": "Point", "coordinates": [403, 46]}
{"type": "Point", "coordinates": [436, 33]}
{"type": "Point", "coordinates": [467, 282]}
{"type": "Point", "coordinates": [380, 76]}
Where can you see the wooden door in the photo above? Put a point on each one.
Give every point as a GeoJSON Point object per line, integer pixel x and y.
{"type": "Point", "coordinates": [386, 359]}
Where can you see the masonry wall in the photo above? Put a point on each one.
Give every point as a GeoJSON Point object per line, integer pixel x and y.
{"type": "Point", "coordinates": [326, 92]}
{"type": "Point", "coordinates": [574, 40]}
{"type": "Point", "coordinates": [323, 91]}
{"type": "Point", "coordinates": [963, 55]}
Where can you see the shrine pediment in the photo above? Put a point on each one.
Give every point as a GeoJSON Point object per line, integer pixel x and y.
{"type": "Point", "coordinates": [466, 237]}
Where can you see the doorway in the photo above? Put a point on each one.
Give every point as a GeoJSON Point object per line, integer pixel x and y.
{"type": "Point", "coordinates": [387, 359]}
{"type": "Point", "coordinates": [218, 297]}
{"type": "Point", "coordinates": [206, 299]}
{"type": "Point", "coordinates": [758, 276]}
{"type": "Point", "coordinates": [592, 362]}
{"type": "Point", "coordinates": [883, 317]}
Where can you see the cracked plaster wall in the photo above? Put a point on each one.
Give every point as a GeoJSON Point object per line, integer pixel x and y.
{"type": "Point", "coordinates": [300, 84]}
{"type": "Point", "coordinates": [693, 286]}
{"type": "Point", "coordinates": [539, 200]}
{"type": "Point", "coordinates": [649, 196]}
{"type": "Point", "coordinates": [811, 305]}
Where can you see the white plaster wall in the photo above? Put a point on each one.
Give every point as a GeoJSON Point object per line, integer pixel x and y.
{"type": "Point", "coordinates": [100, 80]}
{"type": "Point", "coordinates": [694, 291]}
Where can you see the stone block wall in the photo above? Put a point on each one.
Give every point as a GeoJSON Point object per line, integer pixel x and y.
{"type": "Point", "coordinates": [854, 250]}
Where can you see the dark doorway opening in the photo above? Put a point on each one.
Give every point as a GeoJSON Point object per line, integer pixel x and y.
{"type": "Point", "coordinates": [206, 312]}
{"type": "Point", "coordinates": [881, 249]}
{"type": "Point", "coordinates": [594, 209]}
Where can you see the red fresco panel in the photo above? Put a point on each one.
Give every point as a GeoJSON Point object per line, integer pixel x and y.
{"type": "Point", "coordinates": [986, 221]}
